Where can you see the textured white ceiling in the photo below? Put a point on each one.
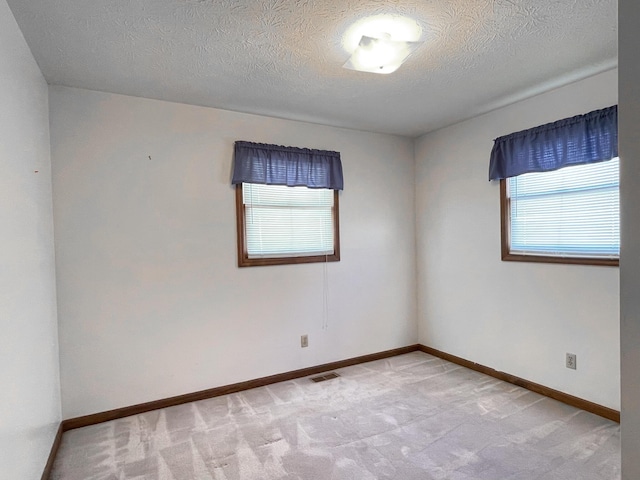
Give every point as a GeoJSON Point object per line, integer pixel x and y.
{"type": "Point", "coordinates": [284, 58]}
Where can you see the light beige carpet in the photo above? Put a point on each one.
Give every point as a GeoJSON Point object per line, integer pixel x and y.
{"type": "Point", "coordinates": [409, 417]}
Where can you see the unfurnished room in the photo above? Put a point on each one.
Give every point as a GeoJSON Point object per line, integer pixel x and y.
{"type": "Point", "coordinates": [309, 240]}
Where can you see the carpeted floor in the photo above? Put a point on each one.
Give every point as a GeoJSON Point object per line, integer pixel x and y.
{"type": "Point", "coordinates": [413, 416]}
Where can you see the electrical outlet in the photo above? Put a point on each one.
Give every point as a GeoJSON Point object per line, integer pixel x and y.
{"type": "Point", "coordinates": [304, 341]}
{"type": "Point", "coordinates": [571, 361]}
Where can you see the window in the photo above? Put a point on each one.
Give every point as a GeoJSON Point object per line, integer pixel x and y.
{"type": "Point", "coordinates": [286, 204]}
{"type": "Point", "coordinates": [570, 215]}
{"type": "Point", "coordinates": [559, 190]}
{"type": "Point", "coordinates": [280, 225]}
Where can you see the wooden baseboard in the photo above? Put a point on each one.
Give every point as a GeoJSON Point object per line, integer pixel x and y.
{"type": "Point", "coordinates": [577, 402]}
{"type": "Point", "coordinates": [95, 418]}
{"type": "Point", "coordinates": [117, 413]}
{"type": "Point", "coordinates": [52, 455]}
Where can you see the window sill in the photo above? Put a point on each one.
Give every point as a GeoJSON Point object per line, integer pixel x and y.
{"type": "Point", "coordinates": [605, 262]}
{"type": "Point", "coordinates": [258, 262]}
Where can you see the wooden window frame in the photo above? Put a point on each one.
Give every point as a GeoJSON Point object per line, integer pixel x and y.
{"type": "Point", "coordinates": [508, 256]}
{"type": "Point", "coordinates": [243, 255]}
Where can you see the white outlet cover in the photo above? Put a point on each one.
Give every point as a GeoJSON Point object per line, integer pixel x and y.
{"type": "Point", "coordinates": [571, 361]}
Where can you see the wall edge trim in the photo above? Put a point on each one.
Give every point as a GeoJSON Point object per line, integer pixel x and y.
{"type": "Point", "coordinates": [52, 454]}
{"type": "Point", "coordinates": [563, 397]}
{"type": "Point", "coordinates": [122, 412]}
{"type": "Point", "coordinates": [95, 418]}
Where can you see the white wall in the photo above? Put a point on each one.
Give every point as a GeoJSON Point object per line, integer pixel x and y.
{"type": "Point", "coordinates": [629, 118]}
{"type": "Point", "coordinates": [29, 376]}
{"type": "Point", "coordinates": [151, 302]}
{"type": "Point", "coordinates": [519, 318]}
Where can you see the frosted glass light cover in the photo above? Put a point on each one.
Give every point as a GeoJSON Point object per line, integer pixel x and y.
{"type": "Point", "coordinates": [380, 55]}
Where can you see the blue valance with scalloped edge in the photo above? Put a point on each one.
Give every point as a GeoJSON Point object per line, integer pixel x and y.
{"type": "Point", "coordinates": [588, 138]}
{"type": "Point", "coordinates": [292, 166]}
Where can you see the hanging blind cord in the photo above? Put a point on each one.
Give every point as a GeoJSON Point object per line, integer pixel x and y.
{"type": "Point", "coordinates": [325, 295]}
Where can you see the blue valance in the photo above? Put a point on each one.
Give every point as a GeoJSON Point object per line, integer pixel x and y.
{"type": "Point", "coordinates": [588, 138]}
{"type": "Point", "coordinates": [278, 165]}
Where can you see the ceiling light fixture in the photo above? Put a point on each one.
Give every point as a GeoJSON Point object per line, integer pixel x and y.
{"type": "Point", "coordinates": [381, 43]}
{"type": "Point", "coordinates": [380, 55]}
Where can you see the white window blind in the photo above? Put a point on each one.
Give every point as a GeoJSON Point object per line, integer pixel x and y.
{"type": "Point", "coordinates": [283, 221]}
{"type": "Point", "coordinates": [571, 212]}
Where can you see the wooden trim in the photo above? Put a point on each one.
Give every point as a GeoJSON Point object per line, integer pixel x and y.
{"type": "Point", "coordinates": [52, 454]}
{"type": "Point", "coordinates": [505, 242]}
{"type": "Point", "coordinates": [242, 251]}
{"type": "Point", "coordinates": [336, 227]}
{"type": "Point", "coordinates": [604, 262]}
{"type": "Point", "coordinates": [577, 402]}
{"type": "Point", "coordinates": [243, 256]}
{"type": "Point", "coordinates": [505, 219]}
{"type": "Point", "coordinates": [117, 413]}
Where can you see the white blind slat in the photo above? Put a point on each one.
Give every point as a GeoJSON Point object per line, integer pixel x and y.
{"type": "Point", "coordinates": [283, 221]}
{"type": "Point", "coordinates": [573, 211]}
